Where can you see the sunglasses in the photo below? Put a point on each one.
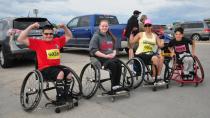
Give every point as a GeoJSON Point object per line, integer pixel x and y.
{"type": "Point", "coordinates": [48, 33]}
{"type": "Point", "coordinates": [148, 25]}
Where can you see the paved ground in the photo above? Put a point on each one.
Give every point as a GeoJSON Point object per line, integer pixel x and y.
{"type": "Point", "coordinates": [175, 102]}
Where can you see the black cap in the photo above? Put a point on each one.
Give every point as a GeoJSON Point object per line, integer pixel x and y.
{"type": "Point", "coordinates": [136, 12]}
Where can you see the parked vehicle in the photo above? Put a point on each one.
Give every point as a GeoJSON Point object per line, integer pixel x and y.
{"type": "Point", "coordinates": [10, 29]}
{"type": "Point", "coordinates": [158, 29]}
{"type": "Point", "coordinates": [196, 30]}
{"type": "Point", "coordinates": [83, 28]}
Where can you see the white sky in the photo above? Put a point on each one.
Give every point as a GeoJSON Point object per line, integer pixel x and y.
{"type": "Point", "coordinates": [160, 11]}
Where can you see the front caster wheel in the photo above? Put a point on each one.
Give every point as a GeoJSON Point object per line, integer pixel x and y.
{"type": "Point", "coordinates": [57, 110]}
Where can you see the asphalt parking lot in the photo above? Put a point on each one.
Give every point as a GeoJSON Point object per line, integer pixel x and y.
{"type": "Point", "coordinates": [176, 102]}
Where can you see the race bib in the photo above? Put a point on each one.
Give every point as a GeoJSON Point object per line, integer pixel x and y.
{"type": "Point", "coordinates": [53, 54]}
{"type": "Point", "coordinates": [147, 48]}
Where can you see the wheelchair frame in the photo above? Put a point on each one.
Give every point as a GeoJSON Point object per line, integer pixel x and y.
{"type": "Point", "coordinates": [97, 82]}
{"type": "Point", "coordinates": [36, 76]}
{"type": "Point", "coordinates": [177, 72]}
{"type": "Point", "coordinates": [145, 74]}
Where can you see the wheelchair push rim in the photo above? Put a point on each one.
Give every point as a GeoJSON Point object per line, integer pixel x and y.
{"type": "Point", "coordinates": [199, 72]}
{"type": "Point", "coordinates": [126, 79]}
{"type": "Point", "coordinates": [33, 79]}
{"type": "Point", "coordinates": [89, 80]}
{"type": "Point", "coordinates": [138, 71]}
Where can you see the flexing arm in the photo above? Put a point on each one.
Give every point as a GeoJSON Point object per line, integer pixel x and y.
{"type": "Point", "coordinates": [68, 33]}
{"type": "Point", "coordinates": [23, 37]}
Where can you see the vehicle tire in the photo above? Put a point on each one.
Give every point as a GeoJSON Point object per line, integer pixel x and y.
{"type": "Point", "coordinates": [196, 37]}
{"type": "Point", "coordinates": [5, 62]}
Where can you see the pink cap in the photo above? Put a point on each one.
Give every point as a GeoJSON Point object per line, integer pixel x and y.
{"type": "Point", "coordinates": [147, 21]}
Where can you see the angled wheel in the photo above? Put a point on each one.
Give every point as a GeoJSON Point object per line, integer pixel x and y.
{"type": "Point", "coordinates": [126, 79]}
{"type": "Point", "coordinates": [136, 66]}
{"type": "Point", "coordinates": [75, 86]}
{"type": "Point", "coordinates": [31, 90]}
{"type": "Point", "coordinates": [49, 91]}
{"type": "Point", "coordinates": [49, 87]}
{"type": "Point", "coordinates": [169, 67]}
{"type": "Point", "coordinates": [90, 77]}
{"type": "Point", "coordinates": [198, 69]}
{"type": "Point", "coordinates": [149, 73]}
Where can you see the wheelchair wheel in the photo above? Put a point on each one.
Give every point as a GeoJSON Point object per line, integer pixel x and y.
{"type": "Point", "coordinates": [50, 87]}
{"type": "Point", "coordinates": [138, 71]}
{"type": "Point", "coordinates": [75, 86]}
{"type": "Point", "coordinates": [49, 91]}
{"type": "Point", "coordinates": [199, 72]}
{"type": "Point", "coordinates": [169, 66]}
{"type": "Point", "coordinates": [105, 81]}
{"type": "Point", "coordinates": [126, 79]}
{"type": "Point", "coordinates": [148, 74]}
{"type": "Point", "coordinates": [90, 77]}
{"type": "Point", "coordinates": [31, 90]}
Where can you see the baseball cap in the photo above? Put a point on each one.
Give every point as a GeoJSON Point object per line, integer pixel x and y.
{"type": "Point", "coordinates": [147, 21]}
{"type": "Point", "coordinates": [136, 12]}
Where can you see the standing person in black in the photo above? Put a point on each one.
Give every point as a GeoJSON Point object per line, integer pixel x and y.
{"type": "Point", "coordinates": [132, 29]}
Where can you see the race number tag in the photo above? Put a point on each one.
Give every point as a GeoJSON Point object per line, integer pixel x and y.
{"type": "Point", "coordinates": [53, 54]}
{"type": "Point", "coordinates": [147, 48]}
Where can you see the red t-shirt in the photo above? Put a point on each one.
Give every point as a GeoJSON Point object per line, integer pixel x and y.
{"type": "Point", "coordinates": [47, 52]}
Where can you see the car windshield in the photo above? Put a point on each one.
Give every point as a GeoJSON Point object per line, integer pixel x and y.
{"type": "Point", "coordinates": [112, 19]}
{"type": "Point", "coordinates": [22, 23]}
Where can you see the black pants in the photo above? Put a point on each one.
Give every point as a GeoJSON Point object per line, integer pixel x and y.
{"type": "Point", "coordinates": [62, 86]}
{"type": "Point", "coordinates": [115, 69]}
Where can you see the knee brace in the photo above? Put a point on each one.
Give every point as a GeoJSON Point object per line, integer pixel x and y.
{"type": "Point", "coordinates": [67, 86]}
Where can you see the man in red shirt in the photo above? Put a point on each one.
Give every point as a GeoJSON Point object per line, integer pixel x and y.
{"type": "Point", "coordinates": [48, 57]}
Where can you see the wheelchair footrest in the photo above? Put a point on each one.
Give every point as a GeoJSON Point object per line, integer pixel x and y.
{"type": "Point", "coordinates": [159, 83]}
{"type": "Point", "coordinates": [114, 94]}
{"type": "Point", "coordinates": [66, 106]}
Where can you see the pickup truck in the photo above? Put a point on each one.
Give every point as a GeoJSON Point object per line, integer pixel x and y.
{"type": "Point", "coordinates": [83, 28]}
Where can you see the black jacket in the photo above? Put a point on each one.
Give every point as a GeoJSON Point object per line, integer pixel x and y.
{"type": "Point", "coordinates": [132, 22]}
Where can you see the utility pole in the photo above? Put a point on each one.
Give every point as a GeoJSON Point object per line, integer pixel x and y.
{"type": "Point", "coordinates": [35, 11]}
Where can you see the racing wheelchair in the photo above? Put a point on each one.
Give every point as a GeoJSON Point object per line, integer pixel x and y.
{"type": "Point", "coordinates": [92, 80]}
{"type": "Point", "coordinates": [34, 86]}
{"type": "Point", "coordinates": [177, 73]}
{"type": "Point", "coordinates": [143, 73]}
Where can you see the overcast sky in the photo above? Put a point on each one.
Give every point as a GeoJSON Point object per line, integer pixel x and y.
{"type": "Point", "coordinates": [160, 11]}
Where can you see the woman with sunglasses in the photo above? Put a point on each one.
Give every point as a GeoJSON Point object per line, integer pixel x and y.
{"type": "Point", "coordinates": [149, 42]}
{"type": "Point", "coordinates": [48, 57]}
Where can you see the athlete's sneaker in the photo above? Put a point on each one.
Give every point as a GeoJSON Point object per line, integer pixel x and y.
{"type": "Point", "coordinates": [116, 87]}
{"type": "Point", "coordinates": [185, 77]}
{"type": "Point", "coordinates": [158, 77]}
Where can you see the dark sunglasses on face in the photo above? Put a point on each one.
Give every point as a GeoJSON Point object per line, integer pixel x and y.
{"type": "Point", "coordinates": [48, 33]}
{"type": "Point", "coordinates": [148, 25]}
